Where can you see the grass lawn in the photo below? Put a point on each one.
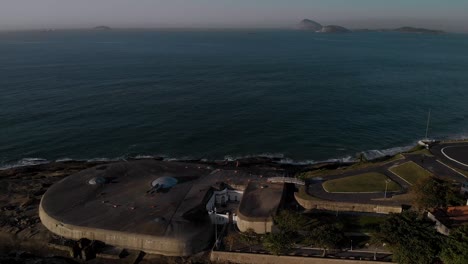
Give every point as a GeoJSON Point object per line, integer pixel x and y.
{"type": "Point", "coordinates": [322, 173]}
{"type": "Point", "coordinates": [410, 172]}
{"type": "Point", "coordinates": [423, 151]}
{"type": "Point", "coordinates": [367, 182]}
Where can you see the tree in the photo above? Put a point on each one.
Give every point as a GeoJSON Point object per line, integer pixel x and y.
{"type": "Point", "coordinates": [433, 193]}
{"type": "Point", "coordinates": [375, 243]}
{"type": "Point", "coordinates": [413, 240]}
{"type": "Point", "coordinates": [289, 222]}
{"type": "Point", "coordinates": [324, 236]}
{"type": "Point", "coordinates": [455, 246]}
{"type": "Point", "coordinates": [250, 238]}
{"type": "Point", "coordinates": [277, 243]}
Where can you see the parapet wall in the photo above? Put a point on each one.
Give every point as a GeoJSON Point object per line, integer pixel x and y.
{"type": "Point", "coordinates": [259, 226]}
{"type": "Point", "coordinates": [347, 207]}
{"type": "Point", "coordinates": [248, 258]}
{"type": "Point", "coordinates": [150, 244]}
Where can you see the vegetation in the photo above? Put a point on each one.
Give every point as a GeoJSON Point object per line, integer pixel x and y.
{"type": "Point", "coordinates": [289, 224]}
{"type": "Point", "coordinates": [410, 172]}
{"type": "Point", "coordinates": [319, 173]}
{"type": "Point", "coordinates": [360, 223]}
{"type": "Point", "coordinates": [363, 164]}
{"type": "Point", "coordinates": [367, 182]}
{"type": "Point", "coordinates": [455, 247]}
{"type": "Point", "coordinates": [277, 243]}
{"type": "Point", "coordinates": [231, 239]}
{"type": "Point", "coordinates": [324, 236]}
{"type": "Point", "coordinates": [412, 239]}
{"type": "Point", "coordinates": [363, 223]}
{"type": "Point", "coordinates": [432, 193]}
{"type": "Point", "coordinates": [421, 151]}
{"type": "Point", "coordinates": [250, 238]}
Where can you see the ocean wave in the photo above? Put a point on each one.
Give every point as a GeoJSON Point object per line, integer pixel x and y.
{"type": "Point", "coordinates": [261, 155]}
{"type": "Point", "coordinates": [376, 154]}
{"type": "Point", "coordinates": [25, 162]}
{"type": "Point", "coordinates": [279, 158]}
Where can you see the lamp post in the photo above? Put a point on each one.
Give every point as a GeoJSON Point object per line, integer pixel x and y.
{"type": "Point", "coordinates": [216, 229]}
{"type": "Point", "coordinates": [386, 186]}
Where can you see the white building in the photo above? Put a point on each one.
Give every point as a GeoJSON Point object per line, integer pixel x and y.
{"type": "Point", "coordinates": [222, 198]}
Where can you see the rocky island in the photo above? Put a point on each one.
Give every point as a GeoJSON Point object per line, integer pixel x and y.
{"type": "Point", "coordinates": [418, 30]}
{"type": "Point", "coordinates": [103, 28]}
{"type": "Point", "coordinates": [307, 24]}
{"type": "Point", "coordinates": [334, 29]}
{"type": "Point", "coordinates": [310, 25]}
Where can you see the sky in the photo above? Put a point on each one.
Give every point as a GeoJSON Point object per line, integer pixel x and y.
{"type": "Point", "coordinates": [448, 15]}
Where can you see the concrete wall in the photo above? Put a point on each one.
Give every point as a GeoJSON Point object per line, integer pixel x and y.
{"type": "Point", "coordinates": [248, 258]}
{"type": "Point", "coordinates": [167, 246]}
{"type": "Point", "coordinates": [347, 207]}
{"type": "Point", "coordinates": [259, 226]}
{"type": "Point", "coordinates": [441, 228]}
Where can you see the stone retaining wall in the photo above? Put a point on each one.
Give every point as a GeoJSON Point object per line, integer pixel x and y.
{"type": "Point", "coordinates": [249, 258]}
{"type": "Point", "coordinates": [347, 207]}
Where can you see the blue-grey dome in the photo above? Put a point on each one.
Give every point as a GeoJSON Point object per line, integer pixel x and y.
{"type": "Point", "coordinates": [97, 180]}
{"type": "Point", "coordinates": [164, 182]}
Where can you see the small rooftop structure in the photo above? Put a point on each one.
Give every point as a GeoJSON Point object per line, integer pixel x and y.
{"type": "Point", "coordinates": [259, 204]}
{"type": "Point", "coordinates": [164, 182]}
{"type": "Point", "coordinates": [97, 181]}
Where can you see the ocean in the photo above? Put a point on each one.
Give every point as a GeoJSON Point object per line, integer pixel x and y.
{"type": "Point", "coordinates": [225, 94]}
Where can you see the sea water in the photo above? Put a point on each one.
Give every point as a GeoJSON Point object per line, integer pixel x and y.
{"type": "Point", "coordinates": [218, 94]}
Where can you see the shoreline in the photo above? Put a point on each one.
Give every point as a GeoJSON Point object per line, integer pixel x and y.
{"type": "Point", "coordinates": [369, 155]}
{"type": "Point", "coordinates": [23, 187]}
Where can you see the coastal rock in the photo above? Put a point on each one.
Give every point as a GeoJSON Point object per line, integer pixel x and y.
{"type": "Point", "coordinates": [307, 24]}
{"type": "Point", "coordinates": [334, 29]}
{"type": "Point", "coordinates": [103, 28]}
{"type": "Point", "coordinates": [418, 30]}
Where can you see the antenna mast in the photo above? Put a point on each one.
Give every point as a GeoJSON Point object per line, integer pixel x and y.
{"type": "Point", "coordinates": [428, 119]}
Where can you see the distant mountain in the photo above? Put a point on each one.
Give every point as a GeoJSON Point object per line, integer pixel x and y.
{"type": "Point", "coordinates": [102, 28]}
{"type": "Point", "coordinates": [310, 25]}
{"type": "Point", "coordinates": [418, 30]}
{"type": "Point", "coordinates": [307, 24]}
{"type": "Point", "coordinates": [334, 29]}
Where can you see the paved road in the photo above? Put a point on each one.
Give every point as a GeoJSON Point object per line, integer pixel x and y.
{"type": "Point", "coordinates": [457, 154]}
{"type": "Point", "coordinates": [439, 165]}
{"type": "Point", "coordinates": [437, 168]}
{"type": "Point", "coordinates": [317, 190]}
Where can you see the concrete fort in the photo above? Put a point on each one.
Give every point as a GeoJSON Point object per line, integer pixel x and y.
{"type": "Point", "coordinates": [158, 207]}
{"type": "Point", "coordinates": [347, 207]}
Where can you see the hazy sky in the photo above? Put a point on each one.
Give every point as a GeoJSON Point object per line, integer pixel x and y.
{"type": "Point", "coordinates": [35, 14]}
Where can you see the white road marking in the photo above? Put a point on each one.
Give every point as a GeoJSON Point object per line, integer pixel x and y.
{"type": "Point", "coordinates": [451, 168]}
{"type": "Point", "coordinates": [454, 160]}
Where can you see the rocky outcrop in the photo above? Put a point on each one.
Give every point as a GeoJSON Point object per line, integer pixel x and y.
{"type": "Point", "coordinates": [334, 29]}
{"type": "Point", "coordinates": [103, 28]}
{"type": "Point", "coordinates": [418, 30]}
{"type": "Point", "coordinates": [310, 25]}
{"type": "Point", "coordinates": [307, 24]}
